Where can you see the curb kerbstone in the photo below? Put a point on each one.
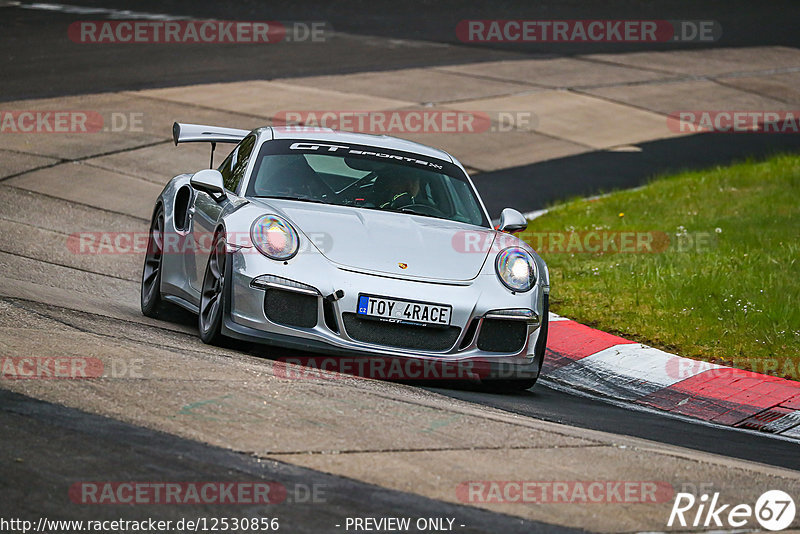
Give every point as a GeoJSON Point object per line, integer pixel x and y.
{"type": "Point", "coordinates": [610, 366]}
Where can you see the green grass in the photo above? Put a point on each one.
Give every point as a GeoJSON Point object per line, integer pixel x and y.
{"type": "Point", "coordinates": [734, 301]}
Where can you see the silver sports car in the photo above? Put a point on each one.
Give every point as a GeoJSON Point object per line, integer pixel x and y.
{"type": "Point", "coordinates": [351, 245]}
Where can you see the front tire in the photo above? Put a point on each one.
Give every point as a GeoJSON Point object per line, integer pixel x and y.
{"type": "Point", "coordinates": [212, 295]}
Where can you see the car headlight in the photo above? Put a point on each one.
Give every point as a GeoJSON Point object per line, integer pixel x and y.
{"type": "Point", "coordinates": [516, 268]}
{"type": "Point", "coordinates": [274, 237]}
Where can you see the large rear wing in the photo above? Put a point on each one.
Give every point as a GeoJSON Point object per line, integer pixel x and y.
{"type": "Point", "coordinates": [198, 133]}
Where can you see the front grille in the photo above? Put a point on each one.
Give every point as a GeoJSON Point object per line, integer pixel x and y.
{"type": "Point", "coordinates": [502, 335]}
{"type": "Point", "coordinates": [400, 335]}
{"type": "Point", "coordinates": [291, 308]}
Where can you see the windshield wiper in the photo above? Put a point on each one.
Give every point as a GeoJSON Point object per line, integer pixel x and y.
{"type": "Point", "coordinates": [403, 210]}
{"type": "Point", "coordinates": [298, 198]}
{"type": "Point", "coordinates": [415, 212]}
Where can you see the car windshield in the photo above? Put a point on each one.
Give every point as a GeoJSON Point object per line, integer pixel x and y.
{"type": "Point", "coordinates": [364, 178]}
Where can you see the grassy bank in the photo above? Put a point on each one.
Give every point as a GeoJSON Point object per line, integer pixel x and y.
{"type": "Point", "coordinates": [710, 267]}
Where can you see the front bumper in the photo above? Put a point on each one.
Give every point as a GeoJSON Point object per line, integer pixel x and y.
{"type": "Point", "coordinates": [335, 290]}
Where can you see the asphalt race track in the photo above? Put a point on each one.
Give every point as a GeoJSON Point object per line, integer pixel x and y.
{"type": "Point", "coordinates": [380, 35]}
{"type": "Point", "coordinates": [87, 445]}
{"type": "Point", "coordinates": [178, 410]}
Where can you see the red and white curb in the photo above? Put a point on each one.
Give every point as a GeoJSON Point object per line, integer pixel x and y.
{"type": "Point", "coordinates": [609, 366]}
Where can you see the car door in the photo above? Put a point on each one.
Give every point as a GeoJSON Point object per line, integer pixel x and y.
{"type": "Point", "coordinates": [205, 210]}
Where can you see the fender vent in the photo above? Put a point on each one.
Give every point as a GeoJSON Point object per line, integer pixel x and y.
{"type": "Point", "coordinates": [181, 211]}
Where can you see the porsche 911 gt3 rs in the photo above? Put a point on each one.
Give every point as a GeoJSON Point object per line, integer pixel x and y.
{"type": "Point", "coordinates": [347, 244]}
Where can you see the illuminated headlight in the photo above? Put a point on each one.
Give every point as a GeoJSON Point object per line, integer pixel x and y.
{"type": "Point", "coordinates": [516, 268]}
{"type": "Point", "coordinates": [274, 237]}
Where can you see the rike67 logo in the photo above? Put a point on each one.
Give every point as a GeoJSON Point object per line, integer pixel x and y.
{"type": "Point", "coordinates": [774, 510]}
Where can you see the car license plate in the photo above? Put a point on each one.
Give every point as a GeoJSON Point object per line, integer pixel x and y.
{"type": "Point", "coordinates": [403, 311]}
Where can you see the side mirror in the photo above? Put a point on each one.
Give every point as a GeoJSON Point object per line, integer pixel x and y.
{"type": "Point", "coordinates": [512, 221]}
{"type": "Point", "coordinates": [209, 181]}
